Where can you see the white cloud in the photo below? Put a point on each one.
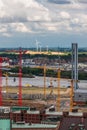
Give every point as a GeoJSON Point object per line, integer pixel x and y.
{"type": "Point", "coordinates": [21, 28]}
{"type": "Point", "coordinates": [29, 16]}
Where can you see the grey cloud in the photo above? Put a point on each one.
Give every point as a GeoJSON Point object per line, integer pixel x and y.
{"type": "Point", "coordinates": [12, 19]}
{"type": "Point", "coordinates": [23, 20]}
{"type": "Point", "coordinates": [59, 1]}
{"type": "Point", "coordinates": [19, 19]}
{"type": "Point", "coordinates": [67, 1]}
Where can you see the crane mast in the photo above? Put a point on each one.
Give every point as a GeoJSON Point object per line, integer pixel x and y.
{"type": "Point", "coordinates": [71, 96]}
{"type": "Point", "coordinates": [1, 81]}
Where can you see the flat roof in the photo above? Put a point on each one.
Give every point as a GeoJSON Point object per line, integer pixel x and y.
{"type": "Point", "coordinates": [27, 125]}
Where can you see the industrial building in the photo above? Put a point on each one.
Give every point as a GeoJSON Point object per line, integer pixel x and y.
{"type": "Point", "coordinates": [48, 120]}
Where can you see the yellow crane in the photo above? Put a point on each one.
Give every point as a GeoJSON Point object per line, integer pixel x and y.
{"type": "Point", "coordinates": [71, 96]}
{"type": "Point", "coordinates": [59, 70]}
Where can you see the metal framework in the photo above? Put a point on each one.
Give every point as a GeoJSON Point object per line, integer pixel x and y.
{"type": "Point", "coordinates": [1, 81]}
{"type": "Point", "coordinates": [75, 65]}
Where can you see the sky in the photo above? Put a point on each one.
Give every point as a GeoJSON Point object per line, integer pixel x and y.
{"type": "Point", "coordinates": [48, 23]}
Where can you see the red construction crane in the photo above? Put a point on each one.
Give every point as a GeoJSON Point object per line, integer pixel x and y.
{"type": "Point", "coordinates": [20, 52]}
{"type": "Point", "coordinates": [1, 81]}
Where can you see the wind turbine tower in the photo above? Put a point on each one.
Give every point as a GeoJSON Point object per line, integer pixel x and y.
{"type": "Point", "coordinates": [37, 44]}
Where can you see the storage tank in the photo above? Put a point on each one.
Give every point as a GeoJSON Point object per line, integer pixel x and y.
{"type": "Point", "coordinates": [5, 124]}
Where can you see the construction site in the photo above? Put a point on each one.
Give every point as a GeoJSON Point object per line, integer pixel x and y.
{"type": "Point", "coordinates": [32, 108]}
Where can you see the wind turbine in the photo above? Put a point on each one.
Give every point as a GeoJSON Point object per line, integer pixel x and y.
{"type": "Point", "coordinates": [37, 43]}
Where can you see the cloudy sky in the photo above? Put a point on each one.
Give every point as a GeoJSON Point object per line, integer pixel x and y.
{"type": "Point", "coordinates": [53, 23]}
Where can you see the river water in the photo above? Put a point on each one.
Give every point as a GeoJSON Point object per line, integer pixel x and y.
{"type": "Point", "coordinates": [39, 81]}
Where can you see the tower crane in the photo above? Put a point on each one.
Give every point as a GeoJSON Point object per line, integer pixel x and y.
{"type": "Point", "coordinates": [20, 52]}
{"type": "Point", "coordinates": [72, 93]}
{"type": "Point", "coordinates": [58, 78]}
{"type": "Point", "coordinates": [58, 86]}
{"type": "Point", "coordinates": [1, 81]}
